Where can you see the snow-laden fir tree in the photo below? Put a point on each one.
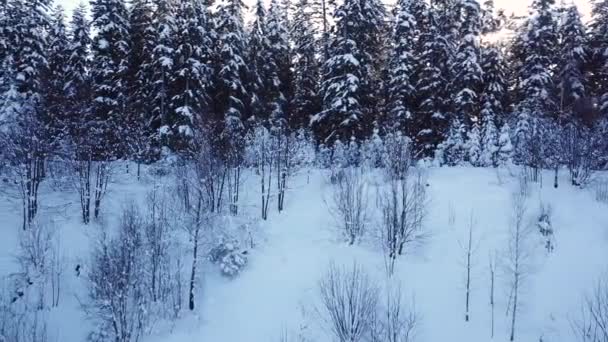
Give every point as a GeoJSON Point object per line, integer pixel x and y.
{"type": "Point", "coordinates": [431, 119]}
{"type": "Point", "coordinates": [192, 72]}
{"type": "Point", "coordinates": [492, 103]}
{"type": "Point", "coordinates": [505, 148]}
{"type": "Point", "coordinates": [453, 150]}
{"type": "Point", "coordinates": [278, 36]}
{"type": "Point", "coordinates": [572, 58]}
{"type": "Point", "coordinates": [468, 74]}
{"type": "Point", "coordinates": [55, 78]}
{"type": "Point", "coordinates": [473, 145]}
{"type": "Point", "coordinates": [401, 70]}
{"type": "Point", "coordinates": [262, 68]}
{"type": "Point", "coordinates": [599, 53]}
{"type": "Point", "coordinates": [230, 96]}
{"type": "Point", "coordinates": [163, 66]}
{"type": "Point", "coordinates": [350, 76]}
{"type": "Point", "coordinates": [78, 81]}
{"type": "Point", "coordinates": [489, 140]}
{"type": "Point", "coordinates": [538, 100]}
{"type": "Point", "coordinates": [306, 99]}
{"type": "Point", "coordinates": [144, 142]}
{"type": "Point", "coordinates": [110, 50]}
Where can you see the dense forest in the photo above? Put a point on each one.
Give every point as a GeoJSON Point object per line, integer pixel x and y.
{"type": "Point", "coordinates": [150, 78]}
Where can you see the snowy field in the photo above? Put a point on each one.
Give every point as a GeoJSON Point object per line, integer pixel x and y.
{"type": "Point", "coordinates": [277, 293]}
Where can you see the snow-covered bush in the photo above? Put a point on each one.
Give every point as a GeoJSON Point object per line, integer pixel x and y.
{"type": "Point", "coordinates": [229, 257]}
{"type": "Point", "coordinates": [544, 226]}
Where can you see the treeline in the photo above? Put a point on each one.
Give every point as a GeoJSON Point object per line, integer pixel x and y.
{"type": "Point", "coordinates": [155, 75]}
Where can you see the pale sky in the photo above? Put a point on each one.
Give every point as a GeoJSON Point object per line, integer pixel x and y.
{"type": "Point", "coordinates": [519, 7]}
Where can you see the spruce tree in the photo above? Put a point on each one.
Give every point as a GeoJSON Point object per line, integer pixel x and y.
{"type": "Point", "coordinates": [306, 99]}
{"type": "Point", "coordinates": [78, 82]}
{"type": "Point", "coordinates": [492, 103]}
{"type": "Point", "coordinates": [473, 145]}
{"type": "Point", "coordinates": [110, 50]}
{"type": "Point", "coordinates": [431, 119]}
{"type": "Point", "coordinates": [505, 148]}
{"type": "Point", "coordinates": [278, 37]}
{"type": "Point", "coordinates": [350, 81]}
{"type": "Point", "coordinates": [143, 126]}
{"type": "Point", "coordinates": [572, 58]}
{"type": "Point", "coordinates": [598, 64]}
{"type": "Point", "coordinates": [192, 72]}
{"type": "Point", "coordinates": [467, 81]}
{"type": "Point", "coordinates": [401, 70]}
{"type": "Point", "coordinates": [262, 67]}
{"type": "Point", "coordinates": [163, 66]}
{"type": "Point", "coordinates": [55, 78]}
{"type": "Point", "coordinates": [230, 95]}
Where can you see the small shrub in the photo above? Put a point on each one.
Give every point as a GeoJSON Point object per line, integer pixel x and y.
{"type": "Point", "coordinates": [229, 258]}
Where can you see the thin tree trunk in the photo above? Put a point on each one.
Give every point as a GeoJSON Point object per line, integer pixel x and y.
{"type": "Point", "coordinates": [193, 271]}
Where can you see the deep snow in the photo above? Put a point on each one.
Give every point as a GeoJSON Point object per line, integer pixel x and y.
{"type": "Point", "coordinates": [277, 292]}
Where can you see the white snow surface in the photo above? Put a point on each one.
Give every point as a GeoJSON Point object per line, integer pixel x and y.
{"type": "Point", "coordinates": [278, 291]}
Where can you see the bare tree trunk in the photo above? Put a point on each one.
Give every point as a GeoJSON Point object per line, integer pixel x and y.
{"type": "Point", "coordinates": [193, 270]}
{"type": "Point", "coordinates": [468, 285]}
{"type": "Point", "coordinates": [492, 296]}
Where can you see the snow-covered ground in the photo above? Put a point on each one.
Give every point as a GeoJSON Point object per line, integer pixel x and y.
{"type": "Point", "coordinates": [278, 290]}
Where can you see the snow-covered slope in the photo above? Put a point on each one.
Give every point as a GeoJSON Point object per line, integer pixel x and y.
{"type": "Point", "coordinates": [278, 291]}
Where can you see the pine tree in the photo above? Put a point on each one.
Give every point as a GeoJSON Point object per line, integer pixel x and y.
{"type": "Point", "coordinates": [78, 82]}
{"type": "Point", "coordinates": [278, 37]}
{"type": "Point", "coordinates": [401, 69]}
{"type": "Point", "coordinates": [572, 58]}
{"type": "Point", "coordinates": [55, 78]}
{"type": "Point", "coordinates": [192, 72]}
{"type": "Point", "coordinates": [230, 95]}
{"type": "Point", "coordinates": [540, 50]}
{"type": "Point", "coordinates": [306, 100]}
{"type": "Point", "coordinates": [143, 126]}
{"type": "Point", "coordinates": [467, 81]}
{"type": "Point", "coordinates": [262, 67]}
{"type": "Point", "coordinates": [164, 70]}
{"type": "Point", "coordinates": [453, 150]}
{"type": "Point", "coordinates": [599, 53]}
{"type": "Point", "coordinates": [505, 148]}
{"type": "Point", "coordinates": [432, 115]}
{"type": "Point", "coordinates": [110, 62]}
{"type": "Point", "coordinates": [350, 75]}
{"type": "Point", "coordinates": [489, 141]}
{"type": "Point", "coordinates": [474, 145]}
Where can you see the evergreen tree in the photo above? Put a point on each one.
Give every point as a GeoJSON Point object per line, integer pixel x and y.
{"type": "Point", "coordinates": [453, 150]}
{"type": "Point", "coordinates": [110, 62]}
{"type": "Point", "coordinates": [432, 90]}
{"type": "Point", "coordinates": [505, 148]}
{"type": "Point", "coordinates": [474, 145]}
{"type": "Point", "coordinates": [350, 75]}
{"type": "Point", "coordinates": [306, 100]}
{"type": "Point", "coordinates": [78, 82]}
{"type": "Point", "coordinates": [140, 77]}
{"type": "Point", "coordinates": [489, 142]}
{"type": "Point", "coordinates": [572, 58]}
{"type": "Point", "coordinates": [598, 64]}
{"type": "Point", "coordinates": [55, 78]}
{"type": "Point", "coordinates": [163, 66]}
{"type": "Point", "coordinates": [467, 81]}
{"type": "Point", "coordinates": [262, 67]}
{"type": "Point", "coordinates": [401, 69]}
{"type": "Point", "coordinates": [281, 54]}
{"type": "Point", "coordinates": [230, 95]}
{"type": "Point", "coordinates": [192, 71]}
{"type": "Point", "coordinates": [540, 45]}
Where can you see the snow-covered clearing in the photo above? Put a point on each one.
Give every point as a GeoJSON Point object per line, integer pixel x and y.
{"type": "Point", "coordinates": [278, 290]}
